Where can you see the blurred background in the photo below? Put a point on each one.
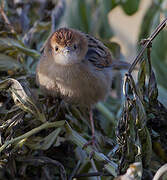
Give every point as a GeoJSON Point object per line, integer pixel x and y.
{"type": "Point", "coordinates": [127, 28]}
{"type": "Point", "coordinates": [25, 26]}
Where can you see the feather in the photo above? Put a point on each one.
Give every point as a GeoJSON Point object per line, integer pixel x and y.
{"type": "Point", "coordinates": [101, 57]}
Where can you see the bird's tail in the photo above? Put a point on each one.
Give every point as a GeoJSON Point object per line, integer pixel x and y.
{"type": "Point", "coordinates": [118, 65]}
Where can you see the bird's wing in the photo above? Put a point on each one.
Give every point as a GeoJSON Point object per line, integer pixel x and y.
{"type": "Point", "coordinates": [97, 53]}
{"type": "Point", "coordinates": [100, 56]}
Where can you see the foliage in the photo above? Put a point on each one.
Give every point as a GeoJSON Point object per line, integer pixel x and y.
{"type": "Point", "coordinates": [159, 56]}
{"type": "Point", "coordinates": [42, 139]}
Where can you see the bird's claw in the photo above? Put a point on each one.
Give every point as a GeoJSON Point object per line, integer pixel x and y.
{"type": "Point", "coordinates": [93, 143]}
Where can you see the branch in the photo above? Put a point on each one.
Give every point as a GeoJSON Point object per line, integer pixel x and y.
{"type": "Point", "coordinates": [146, 44]}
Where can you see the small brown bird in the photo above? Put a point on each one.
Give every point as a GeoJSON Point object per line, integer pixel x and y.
{"type": "Point", "coordinates": [76, 67]}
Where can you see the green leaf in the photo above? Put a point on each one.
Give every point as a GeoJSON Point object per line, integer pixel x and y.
{"type": "Point", "coordinates": [159, 57]}
{"type": "Point", "coordinates": [73, 136]}
{"type": "Point", "coordinates": [89, 16]}
{"type": "Point", "coordinates": [130, 6]}
{"type": "Point", "coordinates": [162, 93]}
{"type": "Point", "coordinates": [158, 50]}
{"type": "Point", "coordinates": [23, 97]}
{"type": "Point", "coordinates": [152, 88]}
{"type": "Point", "coordinates": [8, 63]}
{"type": "Point", "coordinates": [32, 132]}
{"type": "Point", "coordinates": [46, 142]}
{"type": "Point", "coordinates": [84, 13]}
{"type": "Point", "coordinates": [109, 5]}
{"type": "Point", "coordinates": [146, 26]}
{"type": "Point", "coordinates": [11, 44]}
{"type": "Point", "coordinates": [142, 79]}
{"type": "Point", "coordinates": [78, 15]}
{"type": "Point", "coordinates": [109, 115]}
{"type": "Point", "coordinates": [146, 143]}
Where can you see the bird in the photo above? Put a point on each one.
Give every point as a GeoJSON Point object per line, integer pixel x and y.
{"type": "Point", "coordinates": [78, 68]}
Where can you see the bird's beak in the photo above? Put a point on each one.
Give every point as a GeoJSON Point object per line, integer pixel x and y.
{"type": "Point", "coordinates": [66, 50]}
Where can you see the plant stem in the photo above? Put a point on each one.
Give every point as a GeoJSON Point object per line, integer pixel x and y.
{"type": "Point", "coordinates": [33, 131]}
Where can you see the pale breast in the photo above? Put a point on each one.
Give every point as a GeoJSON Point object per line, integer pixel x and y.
{"type": "Point", "coordinates": [77, 84]}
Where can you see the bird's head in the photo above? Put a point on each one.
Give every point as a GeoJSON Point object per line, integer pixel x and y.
{"type": "Point", "coordinates": [67, 46]}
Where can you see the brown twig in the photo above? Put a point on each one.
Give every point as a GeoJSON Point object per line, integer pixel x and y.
{"type": "Point", "coordinates": [146, 44]}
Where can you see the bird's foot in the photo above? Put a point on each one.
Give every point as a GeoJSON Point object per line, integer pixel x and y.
{"type": "Point", "coordinates": [92, 143]}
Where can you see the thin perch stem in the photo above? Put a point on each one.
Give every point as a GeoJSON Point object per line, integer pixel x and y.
{"type": "Point", "coordinates": [92, 123]}
{"type": "Point", "coordinates": [147, 43]}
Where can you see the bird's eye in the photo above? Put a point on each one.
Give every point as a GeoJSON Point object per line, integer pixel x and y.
{"type": "Point", "coordinates": [56, 48]}
{"type": "Point", "coordinates": [75, 46]}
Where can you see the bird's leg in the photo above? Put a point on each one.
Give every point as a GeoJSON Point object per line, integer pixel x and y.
{"type": "Point", "coordinates": [92, 127]}
{"type": "Point", "coordinates": [93, 140]}
{"type": "Point", "coordinates": [47, 107]}
{"type": "Point", "coordinates": [59, 106]}
{"type": "Point", "coordinates": [53, 101]}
